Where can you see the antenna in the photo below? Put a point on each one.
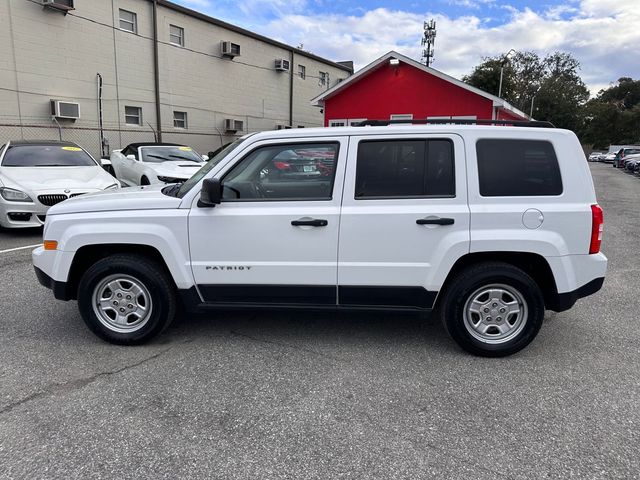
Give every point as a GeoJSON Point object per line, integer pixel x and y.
{"type": "Point", "coordinates": [428, 42]}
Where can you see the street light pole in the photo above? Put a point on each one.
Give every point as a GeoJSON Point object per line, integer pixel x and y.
{"type": "Point", "coordinates": [506, 57]}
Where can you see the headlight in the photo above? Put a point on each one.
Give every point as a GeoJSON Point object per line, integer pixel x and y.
{"type": "Point", "coordinates": [11, 195]}
{"type": "Point", "coordinates": [112, 187]}
{"type": "Point", "coordinates": [170, 179]}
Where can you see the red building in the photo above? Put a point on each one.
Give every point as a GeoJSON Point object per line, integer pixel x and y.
{"type": "Point", "coordinates": [397, 87]}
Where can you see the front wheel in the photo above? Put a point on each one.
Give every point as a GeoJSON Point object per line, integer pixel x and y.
{"type": "Point", "coordinates": [493, 309]}
{"type": "Point", "coordinates": [126, 299]}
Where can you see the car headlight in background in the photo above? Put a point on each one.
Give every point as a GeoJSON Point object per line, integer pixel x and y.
{"type": "Point", "coordinates": [112, 187]}
{"type": "Point", "coordinates": [170, 179]}
{"type": "Point", "coordinates": [11, 195]}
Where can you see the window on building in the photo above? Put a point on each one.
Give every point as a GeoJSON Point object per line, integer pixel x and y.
{"type": "Point", "coordinates": [516, 168]}
{"type": "Point", "coordinates": [405, 169]}
{"type": "Point", "coordinates": [337, 123]}
{"type": "Point", "coordinates": [303, 171]}
{"type": "Point", "coordinates": [302, 71]}
{"type": "Point", "coordinates": [180, 119]}
{"type": "Point", "coordinates": [323, 78]}
{"type": "Point", "coordinates": [176, 35]}
{"type": "Point", "coordinates": [133, 115]}
{"type": "Point", "coordinates": [128, 21]}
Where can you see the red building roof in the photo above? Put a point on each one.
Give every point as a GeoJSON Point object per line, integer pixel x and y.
{"type": "Point", "coordinates": [397, 85]}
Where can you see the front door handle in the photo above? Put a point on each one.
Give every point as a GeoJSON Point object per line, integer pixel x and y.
{"type": "Point", "coordinates": [435, 221]}
{"type": "Point", "coordinates": [309, 222]}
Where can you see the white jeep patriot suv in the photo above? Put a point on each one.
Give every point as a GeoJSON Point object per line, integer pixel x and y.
{"type": "Point", "coordinates": [487, 225]}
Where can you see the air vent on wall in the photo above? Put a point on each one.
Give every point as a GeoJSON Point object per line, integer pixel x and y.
{"type": "Point", "coordinates": [282, 65]}
{"type": "Point", "coordinates": [62, 5]}
{"type": "Point", "coordinates": [60, 109]}
{"type": "Point", "coordinates": [230, 49]}
{"type": "Point", "coordinates": [232, 125]}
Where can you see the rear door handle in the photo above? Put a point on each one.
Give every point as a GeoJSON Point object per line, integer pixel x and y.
{"type": "Point", "coordinates": [309, 222]}
{"type": "Point", "coordinates": [435, 221]}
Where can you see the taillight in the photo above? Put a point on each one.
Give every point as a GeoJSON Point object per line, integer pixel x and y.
{"type": "Point", "coordinates": [281, 165]}
{"type": "Point", "coordinates": [597, 225]}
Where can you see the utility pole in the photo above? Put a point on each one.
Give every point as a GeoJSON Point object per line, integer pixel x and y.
{"type": "Point", "coordinates": [428, 42]}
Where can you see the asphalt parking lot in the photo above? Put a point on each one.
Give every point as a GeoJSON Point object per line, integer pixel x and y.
{"type": "Point", "coordinates": [290, 395]}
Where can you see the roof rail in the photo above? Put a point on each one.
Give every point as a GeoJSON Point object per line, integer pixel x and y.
{"type": "Point", "coordinates": [441, 121]}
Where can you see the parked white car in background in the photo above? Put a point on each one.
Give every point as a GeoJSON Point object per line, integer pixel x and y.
{"type": "Point", "coordinates": [35, 175]}
{"type": "Point", "coordinates": [152, 163]}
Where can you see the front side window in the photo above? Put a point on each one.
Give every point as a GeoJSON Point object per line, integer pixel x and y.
{"type": "Point", "coordinates": [128, 21]}
{"type": "Point", "coordinates": [180, 119]}
{"type": "Point", "coordinates": [405, 169]}
{"type": "Point", "coordinates": [304, 171]}
{"type": "Point", "coordinates": [516, 168]}
{"type": "Point", "coordinates": [133, 115]}
{"type": "Point", "coordinates": [47, 156]}
{"type": "Point", "coordinates": [176, 35]}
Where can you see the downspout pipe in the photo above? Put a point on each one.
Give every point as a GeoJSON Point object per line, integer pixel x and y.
{"type": "Point", "coordinates": [156, 70]}
{"type": "Point", "coordinates": [291, 88]}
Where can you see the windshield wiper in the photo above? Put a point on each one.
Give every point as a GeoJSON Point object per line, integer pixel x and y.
{"type": "Point", "coordinates": [158, 156]}
{"type": "Point", "coordinates": [172, 190]}
{"type": "Point", "coordinates": [184, 158]}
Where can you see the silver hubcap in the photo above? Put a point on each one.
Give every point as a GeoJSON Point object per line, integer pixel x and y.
{"type": "Point", "coordinates": [495, 313]}
{"type": "Point", "coordinates": [122, 303]}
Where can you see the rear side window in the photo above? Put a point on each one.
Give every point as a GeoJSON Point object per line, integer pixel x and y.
{"type": "Point", "coordinates": [517, 168]}
{"type": "Point", "coordinates": [405, 169]}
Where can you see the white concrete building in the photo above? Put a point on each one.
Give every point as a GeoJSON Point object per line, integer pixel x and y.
{"type": "Point", "coordinates": [162, 66]}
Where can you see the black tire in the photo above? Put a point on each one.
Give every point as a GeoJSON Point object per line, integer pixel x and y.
{"type": "Point", "coordinates": [145, 181]}
{"type": "Point", "coordinates": [467, 284]}
{"type": "Point", "coordinates": [151, 276]}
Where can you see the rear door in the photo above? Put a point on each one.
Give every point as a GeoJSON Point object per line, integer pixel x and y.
{"type": "Point", "coordinates": [405, 219]}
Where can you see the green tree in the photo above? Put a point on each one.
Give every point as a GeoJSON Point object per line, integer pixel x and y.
{"type": "Point", "coordinates": [551, 84]}
{"type": "Point", "coordinates": [613, 116]}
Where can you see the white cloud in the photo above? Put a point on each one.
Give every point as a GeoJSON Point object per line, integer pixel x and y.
{"type": "Point", "coordinates": [197, 3]}
{"type": "Point", "coordinates": [602, 34]}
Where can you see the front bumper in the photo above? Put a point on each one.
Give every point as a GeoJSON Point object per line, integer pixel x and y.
{"type": "Point", "coordinates": [59, 289]}
{"type": "Point", "coordinates": [22, 214]}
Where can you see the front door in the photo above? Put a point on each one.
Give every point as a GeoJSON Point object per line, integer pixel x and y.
{"type": "Point", "coordinates": [274, 237]}
{"type": "Point", "coordinates": [405, 219]}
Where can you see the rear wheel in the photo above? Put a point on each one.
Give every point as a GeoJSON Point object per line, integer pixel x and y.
{"type": "Point", "coordinates": [126, 299]}
{"type": "Point", "coordinates": [493, 309]}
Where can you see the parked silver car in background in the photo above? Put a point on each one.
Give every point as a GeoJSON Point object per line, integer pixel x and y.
{"type": "Point", "coordinates": [35, 175]}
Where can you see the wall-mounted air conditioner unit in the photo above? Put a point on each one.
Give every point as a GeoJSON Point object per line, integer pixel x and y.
{"type": "Point", "coordinates": [282, 65]}
{"type": "Point", "coordinates": [281, 126]}
{"type": "Point", "coordinates": [230, 49]}
{"type": "Point", "coordinates": [61, 109]}
{"type": "Point", "coordinates": [233, 125]}
{"type": "Point", "coordinates": [62, 5]}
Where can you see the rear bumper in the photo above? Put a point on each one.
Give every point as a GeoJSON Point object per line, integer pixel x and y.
{"type": "Point", "coordinates": [564, 301]}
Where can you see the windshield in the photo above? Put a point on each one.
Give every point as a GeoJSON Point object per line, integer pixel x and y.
{"type": "Point", "coordinates": [47, 156]}
{"type": "Point", "coordinates": [170, 154]}
{"type": "Point", "coordinates": [188, 185]}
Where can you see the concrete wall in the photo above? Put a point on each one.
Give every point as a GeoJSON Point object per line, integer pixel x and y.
{"type": "Point", "coordinates": [46, 55]}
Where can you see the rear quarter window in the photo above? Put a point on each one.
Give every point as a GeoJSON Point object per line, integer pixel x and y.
{"type": "Point", "coordinates": [517, 168]}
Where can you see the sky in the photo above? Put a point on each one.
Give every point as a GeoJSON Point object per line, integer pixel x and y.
{"type": "Point", "coordinates": [604, 35]}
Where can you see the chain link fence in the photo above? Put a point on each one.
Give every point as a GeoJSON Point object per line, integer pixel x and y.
{"type": "Point", "coordinates": [88, 136]}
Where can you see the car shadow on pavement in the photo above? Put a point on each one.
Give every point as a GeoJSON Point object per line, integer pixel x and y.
{"type": "Point", "coordinates": [313, 328]}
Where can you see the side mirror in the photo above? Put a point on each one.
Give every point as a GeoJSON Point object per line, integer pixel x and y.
{"type": "Point", "coordinates": [211, 193]}
{"type": "Point", "coordinates": [131, 157]}
{"type": "Point", "coordinates": [206, 158]}
{"type": "Point", "coordinates": [210, 155]}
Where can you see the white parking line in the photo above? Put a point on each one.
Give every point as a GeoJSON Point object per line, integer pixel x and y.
{"type": "Point", "coordinates": [20, 248]}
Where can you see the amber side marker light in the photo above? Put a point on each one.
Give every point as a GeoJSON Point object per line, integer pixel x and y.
{"type": "Point", "coordinates": [50, 245]}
